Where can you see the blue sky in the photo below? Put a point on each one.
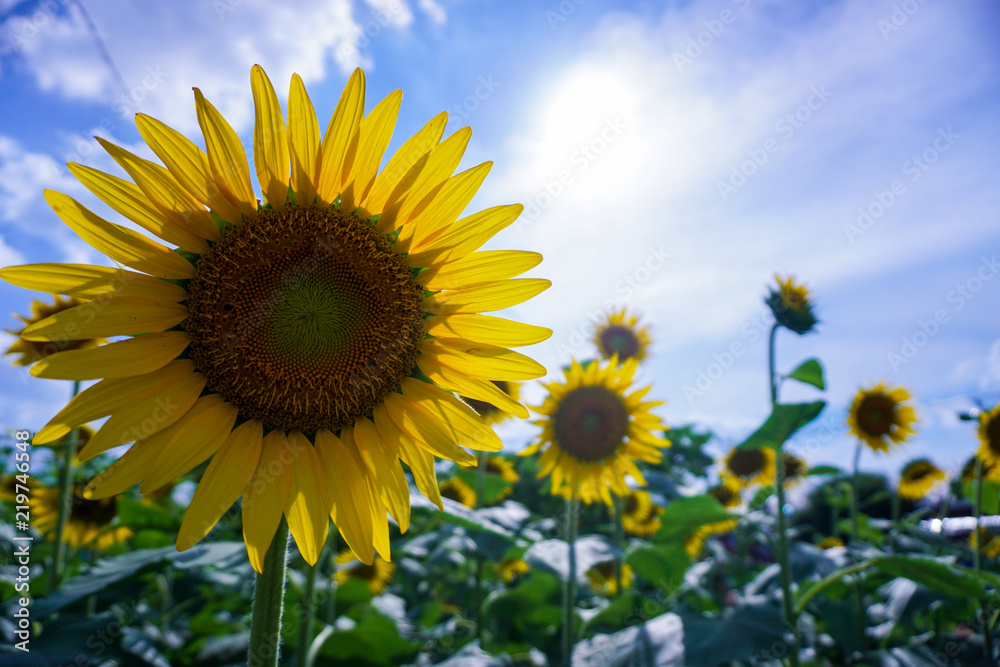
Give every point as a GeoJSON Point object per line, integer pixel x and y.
{"type": "Point", "coordinates": [672, 157]}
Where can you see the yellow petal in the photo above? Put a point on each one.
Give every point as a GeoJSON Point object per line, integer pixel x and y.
{"type": "Point", "coordinates": [120, 244]}
{"type": "Point", "coordinates": [460, 382]}
{"type": "Point", "coordinates": [486, 329]}
{"type": "Point", "coordinates": [196, 436]}
{"type": "Point", "coordinates": [485, 297]}
{"type": "Point", "coordinates": [373, 139]}
{"type": "Point", "coordinates": [175, 203]}
{"type": "Point", "coordinates": [463, 237]}
{"type": "Point", "coordinates": [226, 157]}
{"type": "Point", "coordinates": [384, 465]}
{"type": "Point", "coordinates": [336, 152]}
{"type": "Point", "coordinates": [130, 201]}
{"type": "Point", "coordinates": [464, 425]}
{"type": "Point", "coordinates": [303, 142]}
{"type": "Point", "coordinates": [120, 316]}
{"type": "Point", "coordinates": [478, 267]}
{"type": "Point", "coordinates": [415, 148]}
{"type": "Point", "coordinates": [90, 282]}
{"type": "Point", "coordinates": [380, 525]}
{"type": "Point", "coordinates": [480, 360]}
{"type": "Point", "coordinates": [107, 396]}
{"type": "Point", "coordinates": [270, 143]}
{"type": "Point", "coordinates": [425, 430]}
{"type": "Point", "coordinates": [124, 473]}
{"type": "Point", "coordinates": [137, 356]}
{"type": "Point", "coordinates": [144, 417]}
{"type": "Point", "coordinates": [223, 482]}
{"type": "Point", "coordinates": [421, 462]}
{"type": "Point", "coordinates": [264, 497]}
{"type": "Point", "coordinates": [309, 502]}
{"type": "Point", "coordinates": [348, 483]}
{"type": "Point", "coordinates": [444, 207]}
{"type": "Point", "coordinates": [187, 163]}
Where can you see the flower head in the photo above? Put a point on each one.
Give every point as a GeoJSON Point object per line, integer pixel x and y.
{"type": "Point", "coordinates": [989, 437]}
{"type": "Point", "coordinates": [917, 478]}
{"type": "Point", "coordinates": [620, 334]}
{"type": "Point", "coordinates": [880, 417]}
{"type": "Point", "coordinates": [32, 351]}
{"type": "Point", "coordinates": [744, 468]}
{"type": "Point", "coordinates": [376, 575]}
{"type": "Point", "coordinates": [306, 345]}
{"type": "Point", "coordinates": [90, 523]}
{"type": "Point", "coordinates": [640, 515]}
{"type": "Point", "coordinates": [695, 542]}
{"type": "Point", "coordinates": [794, 470]}
{"type": "Point", "coordinates": [512, 569]}
{"type": "Point", "coordinates": [791, 305]}
{"type": "Point", "coordinates": [602, 577]}
{"type": "Point", "coordinates": [457, 490]}
{"type": "Point", "coordinates": [593, 430]}
{"type": "Point", "coordinates": [727, 493]}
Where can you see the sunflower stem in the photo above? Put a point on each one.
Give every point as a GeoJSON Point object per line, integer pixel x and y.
{"type": "Point", "coordinates": [619, 541]}
{"type": "Point", "coordinates": [307, 611]}
{"type": "Point", "coordinates": [331, 599]}
{"type": "Point", "coordinates": [268, 601]}
{"type": "Point", "coordinates": [66, 474]}
{"type": "Point", "coordinates": [788, 614]}
{"type": "Point", "coordinates": [570, 597]}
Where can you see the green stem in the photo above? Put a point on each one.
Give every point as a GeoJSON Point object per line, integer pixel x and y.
{"type": "Point", "coordinates": [569, 603]}
{"type": "Point", "coordinates": [268, 600]}
{"type": "Point", "coordinates": [984, 610]}
{"type": "Point", "coordinates": [331, 598]}
{"type": "Point", "coordinates": [856, 494]}
{"type": "Point", "coordinates": [819, 586]}
{"type": "Point", "coordinates": [619, 540]}
{"type": "Point", "coordinates": [307, 609]}
{"type": "Point", "coordinates": [66, 476]}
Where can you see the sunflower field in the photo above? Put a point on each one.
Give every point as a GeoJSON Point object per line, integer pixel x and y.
{"type": "Point", "coordinates": [280, 446]}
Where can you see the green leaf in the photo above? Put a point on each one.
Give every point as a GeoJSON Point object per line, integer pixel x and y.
{"type": "Point", "coordinates": [660, 564]}
{"type": "Point", "coordinates": [944, 577]}
{"type": "Point", "coordinates": [375, 640]}
{"type": "Point", "coordinates": [809, 372]}
{"type": "Point", "coordinates": [682, 516]}
{"type": "Point", "coordinates": [750, 630]}
{"type": "Point", "coordinates": [660, 641]}
{"type": "Point", "coordinates": [494, 485]}
{"type": "Point", "coordinates": [825, 470]}
{"type": "Point", "coordinates": [990, 498]}
{"type": "Point", "coordinates": [459, 515]}
{"type": "Point", "coordinates": [629, 608]}
{"type": "Point", "coordinates": [782, 424]}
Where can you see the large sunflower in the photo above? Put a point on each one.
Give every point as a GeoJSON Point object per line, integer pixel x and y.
{"type": "Point", "coordinates": [592, 431]}
{"type": "Point", "coordinates": [880, 418]}
{"type": "Point", "coordinates": [744, 468]}
{"type": "Point", "coordinates": [31, 351]}
{"type": "Point", "coordinates": [917, 478]}
{"type": "Point", "coordinates": [620, 334]}
{"type": "Point", "coordinates": [791, 305]}
{"type": "Point", "coordinates": [90, 522]}
{"type": "Point", "coordinates": [306, 345]}
{"type": "Point", "coordinates": [989, 437]}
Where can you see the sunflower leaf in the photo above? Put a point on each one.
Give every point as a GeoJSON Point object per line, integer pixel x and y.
{"type": "Point", "coordinates": [782, 424]}
{"type": "Point", "coordinates": [660, 564]}
{"type": "Point", "coordinates": [809, 372]}
{"type": "Point", "coordinates": [683, 516]}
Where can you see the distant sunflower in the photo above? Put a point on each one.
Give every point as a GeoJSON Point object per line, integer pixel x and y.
{"type": "Point", "coordinates": [498, 465]}
{"type": "Point", "coordinates": [830, 543]}
{"type": "Point", "coordinates": [511, 569]}
{"type": "Point", "coordinates": [794, 470]}
{"type": "Point", "coordinates": [991, 471]}
{"type": "Point", "coordinates": [457, 490]}
{"type": "Point", "coordinates": [620, 334]}
{"type": "Point", "coordinates": [320, 334]}
{"type": "Point", "coordinates": [31, 350]}
{"type": "Point", "coordinates": [640, 515]}
{"type": "Point", "coordinates": [880, 418]}
{"type": "Point", "coordinates": [726, 493]}
{"type": "Point", "coordinates": [990, 542]}
{"type": "Point", "coordinates": [748, 467]}
{"type": "Point", "coordinates": [490, 413]}
{"type": "Point", "coordinates": [592, 431]}
{"type": "Point", "coordinates": [602, 578]}
{"type": "Point", "coordinates": [917, 478]}
{"type": "Point", "coordinates": [695, 542]}
{"type": "Point", "coordinates": [989, 437]}
{"type": "Point", "coordinates": [377, 576]}
{"type": "Point", "coordinates": [791, 305]}
{"type": "Point", "coordinates": [90, 522]}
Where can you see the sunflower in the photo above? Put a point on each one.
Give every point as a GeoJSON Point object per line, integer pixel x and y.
{"type": "Point", "coordinates": [695, 542]}
{"type": "Point", "coordinates": [830, 543]}
{"type": "Point", "coordinates": [794, 469]}
{"type": "Point", "coordinates": [917, 478]}
{"type": "Point", "coordinates": [879, 418]}
{"type": "Point", "coordinates": [307, 345]}
{"type": "Point", "coordinates": [592, 431]}
{"type": "Point", "coordinates": [457, 490]}
{"type": "Point", "coordinates": [640, 515]}
{"type": "Point", "coordinates": [498, 465]}
{"type": "Point", "coordinates": [744, 468]}
{"type": "Point", "coordinates": [989, 437]}
{"type": "Point", "coordinates": [490, 413]}
{"type": "Point", "coordinates": [791, 305]}
{"type": "Point", "coordinates": [726, 493]}
{"type": "Point", "coordinates": [90, 522]}
{"type": "Point", "coordinates": [35, 350]}
{"type": "Point", "coordinates": [602, 577]}
{"type": "Point", "coordinates": [991, 471]}
{"type": "Point", "coordinates": [511, 569]}
{"type": "Point", "coordinates": [620, 334]}
{"type": "Point", "coordinates": [376, 575]}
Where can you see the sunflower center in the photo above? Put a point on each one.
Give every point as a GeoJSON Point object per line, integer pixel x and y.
{"type": "Point", "coordinates": [993, 436]}
{"type": "Point", "coordinates": [747, 462]}
{"type": "Point", "coordinates": [918, 471]}
{"type": "Point", "coordinates": [97, 512]}
{"type": "Point", "coordinates": [304, 318]}
{"type": "Point", "coordinates": [877, 414]}
{"type": "Point", "coordinates": [590, 423]}
{"type": "Point", "coordinates": [631, 504]}
{"type": "Point", "coordinates": [621, 341]}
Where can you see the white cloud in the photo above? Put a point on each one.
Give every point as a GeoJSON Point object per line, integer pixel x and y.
{"type": "Point", "coordinates": [434, 11]}
{"type": "Point", "coordinates": [23, 176]}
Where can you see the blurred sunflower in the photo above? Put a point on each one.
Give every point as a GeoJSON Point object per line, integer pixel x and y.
{"type": "Point", "coordinates": [830, 543]}
{"type": "Point", "coordinates": [319, 335]}
{"type": "Point", "coordinates": [990, 545]}
{"type": "Point", "coordinates": [640, 515]}
{"type": "Point", "coordinates": [744, 468]}
{"type": "Point", "coordinates": [695, 542]}
{"type": "Point", "coordinates": [457, 490]}
{"type": "Point", "coordinates": [917, 478]}
{"type": "Point", "coordinates": [36, 350]}
{"type": "Point", "coordinates": [602, 578]}
{"type": "Point", "coordinates": [592, 431]}
{"type": "Point", "coordinates": [490, 413]}
{"type": "Point", "coordinates": [8, 487]}
{"type": "Point", "coordinates": [620, 334]}
{"type": "Point", "coordinates": [498, 465]}
{"type": "Point", "coordinates": [989, 437]}
{"type": "Point", "coordinates": [791, 305]}
{"type": "Point", "coordinates": [879, 418]}
{"type": "Point", "coordinates": [726, 493]}
{"type": "Point", "coordinates": [991, 471]}
{"type": "Point", "coordinates": [511, 569]}
{"type": "Point", "coordinates": [794, 469]}
{"type": "Point", "coordinates": [377, 575]}
{"type": "Point", "coordinates": [90, 522]}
